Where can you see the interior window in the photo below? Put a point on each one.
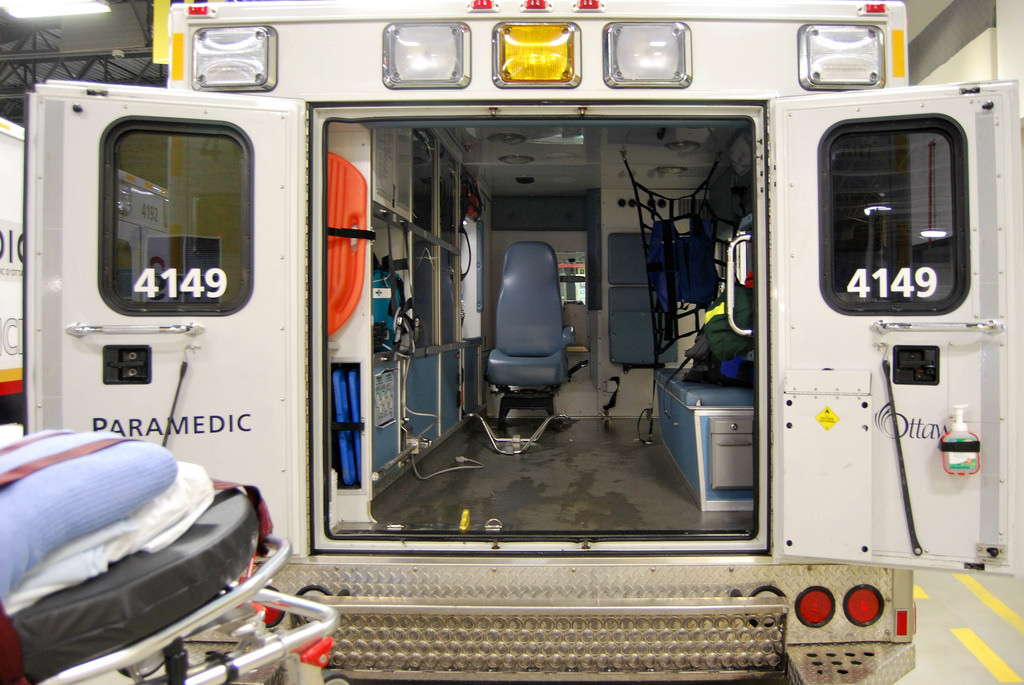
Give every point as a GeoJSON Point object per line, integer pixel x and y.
{"type": "Point", "coordinates": [177, 224]}
{"type": "Point", "coordinates": [894, 217]}
{"type": "Point", "coordinates": [572, 276]}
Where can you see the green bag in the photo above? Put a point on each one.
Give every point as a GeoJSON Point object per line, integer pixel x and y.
{"type": "Point", "coordinates": [725, 343]}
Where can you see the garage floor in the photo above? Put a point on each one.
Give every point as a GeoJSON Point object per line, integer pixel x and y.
{"type": "Point", "coordinates": [970, 629]}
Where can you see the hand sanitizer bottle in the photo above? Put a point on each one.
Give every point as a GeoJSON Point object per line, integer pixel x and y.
{"type": "Point", "coordinates": [961, 449]}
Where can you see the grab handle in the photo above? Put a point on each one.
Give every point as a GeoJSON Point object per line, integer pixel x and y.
{"type": "Point", "coordinates": [990, 327]}
{"type": "Point", "coordinates": [80, 330]}
{"type": "Point", "coordinates": [730, 285]}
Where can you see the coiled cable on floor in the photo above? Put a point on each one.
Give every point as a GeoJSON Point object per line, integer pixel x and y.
{"type": "Point", "coordinates": [467, 464]}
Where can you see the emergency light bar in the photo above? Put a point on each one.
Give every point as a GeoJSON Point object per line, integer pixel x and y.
{"type": "Point", "coordinates": [647, 54]}
{"type": "Point", "coordinates": [841, 57]}
{"type": "Point", "coordinates": [528, 54]}
{"type": "Point", "coordinates": [235, 58]}
{"type": "Point", "coordinates": [426, 55]}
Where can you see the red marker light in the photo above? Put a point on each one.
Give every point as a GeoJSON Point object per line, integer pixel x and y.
{"type": "Point", "coordinates": [198, 10]}
{"type": "Point", "coordinates": [902, 621]}
{"type": "Point", "coordinates": [535, 4]}
{"type": "Point", "coordinates": [875, 8]}
{"type": "Point", "coordinates": [588, 4]}
{"type": "Point", "coordinates": [482, 5]}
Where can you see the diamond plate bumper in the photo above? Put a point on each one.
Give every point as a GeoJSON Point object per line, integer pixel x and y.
{"type": "Point", "coordinates": [863, 663]}
{"type": "Point", "coordinates": [568, 641]}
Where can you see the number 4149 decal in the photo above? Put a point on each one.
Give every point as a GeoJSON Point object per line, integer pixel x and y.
{"type": "Point", "coordinates": [198, 283]}
{"type": "Point", "coordinates": [907, 282]}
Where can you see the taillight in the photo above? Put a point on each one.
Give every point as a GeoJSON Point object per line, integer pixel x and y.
{"type": "Point", "coordinates": [815, 606]}
{"type": "Point", "coordinates": [863, 605]}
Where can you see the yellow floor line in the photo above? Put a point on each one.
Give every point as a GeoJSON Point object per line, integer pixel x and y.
{"type": "Point", "coordinates": [1004, 612]}
{"type": "Point", "coordinates": [983, 653]}
{"type": "Point", "coordinates": [919, 593]}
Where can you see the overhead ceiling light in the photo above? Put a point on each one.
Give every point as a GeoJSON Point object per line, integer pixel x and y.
{"type": "Point", "coordinates": [30, 9]}
{"type": "Point", "coordinates": [686, 145]}
{"type": "Point", "coordinates": [507, 138]}
{"type": "Point", "coordinates": [669, 170]}
{"type": "Point", "coordinates": [515, 159]}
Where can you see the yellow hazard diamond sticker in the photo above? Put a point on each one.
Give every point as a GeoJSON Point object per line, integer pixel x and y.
{"type": "Point", "coordinates": [827, 418]}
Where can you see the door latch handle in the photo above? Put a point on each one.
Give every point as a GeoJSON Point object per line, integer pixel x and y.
{"type": "Point", "coordinates": [80, 330]}
{"type": "Point", "coordinates": [990, 327]}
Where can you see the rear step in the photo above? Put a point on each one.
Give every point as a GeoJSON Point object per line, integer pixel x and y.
{"type": "Point", "coordinates": [855, 662]}
{"type": "Point", "coordinates": [656, 639]}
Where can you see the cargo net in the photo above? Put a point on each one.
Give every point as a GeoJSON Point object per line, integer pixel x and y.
{"type": "Point", "coordinates": [683, 255]}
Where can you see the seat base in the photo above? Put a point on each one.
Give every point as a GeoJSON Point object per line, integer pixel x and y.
{"type": "Point", "coordinates": [525, 399]}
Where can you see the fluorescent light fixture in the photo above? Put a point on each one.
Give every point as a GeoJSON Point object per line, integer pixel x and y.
{"type": "Point", "coordinates": [426, 55]}
{"type": "Point", "coordinates": [841, 57]}
{"type": "Point", "coordinates": [639, 54]}
{"type": "Point", "coordinates": [31, 9]}
{"type": "Point", "coordinates": [934, 233]}
{"type": "Point", "coordinates": [871, 209]}
{"type": "Point", "coordinates": [235, 58]}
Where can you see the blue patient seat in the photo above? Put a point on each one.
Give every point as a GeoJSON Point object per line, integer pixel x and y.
{"type": "Point", "coordinates": [530, 340]}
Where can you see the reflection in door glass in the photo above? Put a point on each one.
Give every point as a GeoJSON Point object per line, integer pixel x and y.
{"type": "Point", "coordinates": [178, 235]}
{"type": "Point", "coordinates": [895, 218]}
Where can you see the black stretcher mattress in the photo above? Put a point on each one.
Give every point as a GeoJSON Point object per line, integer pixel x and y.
{"type": "Point", "coordinates": [140, 594]}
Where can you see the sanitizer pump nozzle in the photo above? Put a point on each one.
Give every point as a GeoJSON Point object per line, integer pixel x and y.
{"type": "Point", "coordinates": [961, 449]}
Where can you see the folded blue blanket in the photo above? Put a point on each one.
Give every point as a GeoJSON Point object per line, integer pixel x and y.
{"type": "Point", "coordinates": [64, 501]}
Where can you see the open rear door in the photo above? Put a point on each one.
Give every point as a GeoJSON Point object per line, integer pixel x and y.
{"type": "Point", "coordinates": [165, 283]}
{"type": "Point", "coordinates": [896, 262]}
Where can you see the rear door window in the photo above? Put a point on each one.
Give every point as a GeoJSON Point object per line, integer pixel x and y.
{"type": "Point", "coordinates": [177, 218]}
{"type": "Point", "coordinates": [894, 217]}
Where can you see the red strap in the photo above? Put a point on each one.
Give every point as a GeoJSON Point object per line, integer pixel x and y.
{"type": "Point", "coordinates": [42, 462]}
{"type": "Point", "coordinates": [28, 441]}
{"type": "Point", "coordinates": [262, 511]}
{"type": "Point", "coordinates": [11, 667]}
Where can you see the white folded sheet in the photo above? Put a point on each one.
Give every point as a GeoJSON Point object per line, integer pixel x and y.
{"type": "Point", "coordinates": [150, 528]}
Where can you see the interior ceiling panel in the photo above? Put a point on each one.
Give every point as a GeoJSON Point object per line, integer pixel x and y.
{"type": "Point", "coordinates": [108, 48]}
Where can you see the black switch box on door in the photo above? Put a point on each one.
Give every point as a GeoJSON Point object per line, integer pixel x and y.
{"type": "Point", "coordinates": [126, 364]}
{"type": "Point", "coordinates": [915, 364]}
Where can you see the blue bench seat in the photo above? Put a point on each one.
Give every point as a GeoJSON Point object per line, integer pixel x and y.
{"type": "Point", "coordinates": [707, 429]}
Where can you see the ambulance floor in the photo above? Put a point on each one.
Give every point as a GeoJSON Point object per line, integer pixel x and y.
{"type": "Point", "coordinates": [584, 477]}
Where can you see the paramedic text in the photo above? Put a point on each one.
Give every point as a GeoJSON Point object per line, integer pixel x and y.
{"type": "Point", "coordinates": [186, 424]}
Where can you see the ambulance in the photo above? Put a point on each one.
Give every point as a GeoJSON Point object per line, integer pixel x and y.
{"type": "Point", "coordinates": [782, 370]}
{"type": "Point", "coordinates": [12, 256]}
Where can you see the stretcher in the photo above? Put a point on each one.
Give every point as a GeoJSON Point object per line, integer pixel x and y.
{"type": "Point", "coordinates": [137, 617]}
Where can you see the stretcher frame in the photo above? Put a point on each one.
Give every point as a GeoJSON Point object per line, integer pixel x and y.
{"type": "Point", "coordinates": [273, 646]}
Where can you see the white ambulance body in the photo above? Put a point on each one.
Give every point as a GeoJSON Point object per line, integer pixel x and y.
{"type": "Point", "coordinates": [12, 247]}
{"type": "Point", "coordinates": [346, 179]}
